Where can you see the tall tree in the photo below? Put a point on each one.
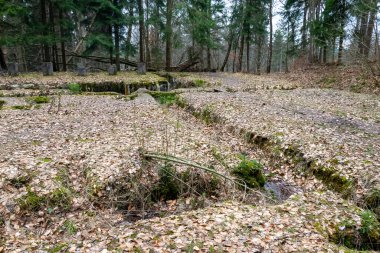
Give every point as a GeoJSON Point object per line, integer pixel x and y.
{"type": "Point", "coordinates": [141, 31]}
{"type": "Point", "coordinates": [169, 33]}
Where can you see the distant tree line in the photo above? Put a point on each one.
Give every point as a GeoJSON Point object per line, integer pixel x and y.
{"type": "Point", "coordinates": [233, 35]}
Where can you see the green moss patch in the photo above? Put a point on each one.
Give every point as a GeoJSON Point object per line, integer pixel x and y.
{"type": "Point", "coordinates": [250, 172]}
{"type": "Point", "coordinates": [2, 103]}
{"type": "Point", "coordinates": [60, 197]}
{"type": "Point", "coordinates": [40, 99]}
{"type": "Point", "coordinates": [166, 98]}
{"type": "Point", "coordinates": [332, 179]}
{"type": "Point", "coordinates": [21, 107]}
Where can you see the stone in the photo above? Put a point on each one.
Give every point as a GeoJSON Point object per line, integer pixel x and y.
{"type": "Point", "coordinates": [13, 69]}
{"type": "Point", "coordinates": [47, 68]}
{"type": "Point", "coordinates": [141, 68]}
{"type": "Point", "coordinates": [112, 70]}
{"type": "Point", "coordinates": [141, 90]}
{"type": "Point", "coordinates": [82, 70]}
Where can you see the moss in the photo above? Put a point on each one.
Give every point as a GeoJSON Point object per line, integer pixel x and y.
{"type": "Point", "coordinates": [21, 107]}
{"type": "Point", "coordinates": [60, 197]}
{"type": "Point", "coordinates": [2, 102]}
{"type": "Point", "coordinates": [328, 82]}
{"type": "Point", "coordinates": [166, 98]}
{"type": "Point", "coordinates": [75, 88]}
{"type": "Point", "coordinates": [331, 177]}
{"type": "Point", "coordinates": [363, 237]}
{"type": "Point", "coordinates": [206, 115]}
{"type": "Point", "coordinates": [46, 160]}
{"type": "Point", "coordinates": [21, 181]}
{"type": "Point", "coordinates": [69, 227]}
{"type": "Point", "coordinates": [60, 247]}
{"type": "Point", "coordinates": [40, 99]}
{"type": "Point", "coordinates": [104, 93]}
{"type": "Point", "coordinates": [133, 96]}
{"type": "Point", "coordinates": [199, 83]}
{"type": "Point", "coordinates": [181, 102]}
{"type": "Point", "coordinates": [250, 172]}
{"type": "Point", "coordinates": [31, 201]}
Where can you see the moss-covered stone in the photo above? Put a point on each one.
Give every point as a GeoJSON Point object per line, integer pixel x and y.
{"type": "Point", "coordinates": [332, 179]}
{"type": "Point", "coordinates": [2, 103]}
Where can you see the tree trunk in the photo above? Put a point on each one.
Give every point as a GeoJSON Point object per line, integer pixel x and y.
{"type": "Point", "coordinates": [54, 47]}
{"type": "Point", "coordinates": [248, 51]}
{"type": "Point", "coordinates": [141, 30]}
{"type": "Point", "coordinates": [147, 43]}
{"type": "Point", "coordinates": [240, 58]}
{"type": "Point", "coordinates": [208, 59]}
{"type": "Point", "coordinates": [270, 49]}
{"type": "Point", "coordinates": [235, 54]}
{"type": "Point", "coordinates": [304, 24]}
{"type": "Point", "coordinates": [111, 48]}
{"type": "Point", "coordinates": [3, 63]}
{"type": "Point", "coordinates": [129, 32]}
{"type": "Point", "coordinates": [62, 34]}
{"type": "Point", "coordinates": [231, 37]}
{"type": "Point", "coordinates": [258, 59]}
{"type": "Point", "coordinates": [169, 31]}
{"type": "Point", "coordinates": [116, 28]}
{"type": "Point", "coordinates": [362, 32]}
{"type": "Point", "coordinates": [46, 53]}
{"type": "Point", "coordinates": [368, 34]}
{"type": "Point", "coordinates": [340, 49]}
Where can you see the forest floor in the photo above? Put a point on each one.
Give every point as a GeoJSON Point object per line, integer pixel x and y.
{"type": "Point", "coordinates": [74, 178]}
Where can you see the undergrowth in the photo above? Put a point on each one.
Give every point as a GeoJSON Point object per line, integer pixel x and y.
{"type": "Point", "coordinates": [250, 172]}
{"type": "Point", "coordinates": [365, 236]}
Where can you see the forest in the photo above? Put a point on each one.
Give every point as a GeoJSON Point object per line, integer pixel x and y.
{"type": "Point", "coordinates": [206, 35]}
{"type": "Point", "coordinates": [189, 126]}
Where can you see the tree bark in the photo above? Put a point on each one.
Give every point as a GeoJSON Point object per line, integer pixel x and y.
{"type": "Point", "coordinates": [240, 58]}
{"type": "Point", "coordinates": [147, 42]}
{"type": "Point", "coordinates": [46, 53]}
{"type": "Point", "coordinates": [141, 31]}
{"type": "Point", "coordinates": [117, 40]}
{"type": "Point", "coordinates": [270, 49]}
{"type": "Point", "coordinates": [3, 63]}
{"type": "Point", "coordinates": [54, 47]}
{"type": "Point", "coordinates": [369, 32]}
{"type": "Point", "coordinates": [169, 31]}
{"type": "Point", "coordinates": [129, 32]}
{"type": "Point", "coordinates": [63, 48]}
{"type": "Point", "coordinates": [231, 37]}
{"type": "Point", "coordinates": [258, 59]}
{"type": "Point", "coordinates": [248, 38]}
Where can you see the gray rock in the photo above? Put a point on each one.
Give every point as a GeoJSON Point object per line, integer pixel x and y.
{"type": "Point", "coordinates": [141, 68]}
{"type": "Point", "coordinates": [13, 69]}
{"type": "Point", "coordinates": [47, 68]}
{"type": "Point", "coordinates": [112, 70]}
